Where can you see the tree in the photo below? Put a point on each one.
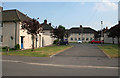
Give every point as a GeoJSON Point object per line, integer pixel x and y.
{"type": "Point", "coordinates": [33, 27]}
{"type": "Point", "coordinates": [67, 34]}
{"type": "Point", "coordinates": [59, 32]}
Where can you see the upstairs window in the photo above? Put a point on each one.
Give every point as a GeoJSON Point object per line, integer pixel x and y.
{"type": "Point", "coordinates": [83, 38]}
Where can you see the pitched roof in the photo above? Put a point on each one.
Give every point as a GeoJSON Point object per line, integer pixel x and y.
{"type": "Point", "coordinates": [13, 15]}
{"type": "Point", "coordinates": [85, 30]}
{"type": "Point", "coordinates": [46, 26]}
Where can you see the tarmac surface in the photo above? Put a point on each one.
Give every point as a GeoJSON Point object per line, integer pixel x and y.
{"type": "Point", "coordinates": [81, 60]}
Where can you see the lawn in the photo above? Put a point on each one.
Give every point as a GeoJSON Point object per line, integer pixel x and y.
{"type": "Point", "coordinates": [112, 50]}
{"type": "Point", "coordinates": [39, 52]}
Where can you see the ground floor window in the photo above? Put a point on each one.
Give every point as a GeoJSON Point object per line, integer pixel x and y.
{"type": "Point", "coordinates": [75, 38]}
{"type": "Point", "coordinates": [78, 38]}
{"type": "Point", "coordinates": [71, 38]}
{"type": "Point", "coordinates": [1, 38]}
{"type": "Point", "coordinates": [87, 39]}
{"type": "Point", "coordinates": [91, 39]}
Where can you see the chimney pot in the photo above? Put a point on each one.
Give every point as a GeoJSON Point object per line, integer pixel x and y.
{"type": "Point", "coordinates": [45, 21]}
{"type": "Point", "coordinates": [80, 26]}
{"type": "Point", "coordinates": [50, 24]}
{"type": "Point", "coordinates": [106, 28]}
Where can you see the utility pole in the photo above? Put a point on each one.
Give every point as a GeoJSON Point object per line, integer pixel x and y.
{"type": "Point", "coordinates": [81, 28]}
{"type": "Point", "coordinates": [101, 31]}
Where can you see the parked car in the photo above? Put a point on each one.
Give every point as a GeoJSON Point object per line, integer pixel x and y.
{"type": "Point", "coordinates": [94, 41]}
{"type": "Point", "coordinates": [63, 42]}
{"type": "Point", "coordinates": [79, 41]}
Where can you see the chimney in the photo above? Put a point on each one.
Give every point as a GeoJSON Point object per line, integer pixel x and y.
{"type": "Point", "coordinates": [106, 28]}
{"type": "Point", "coordinates": [45, 21]}
{"type": "Point", "coordinates": [80, 26]}
{"type": "Point", "coordinates": [50, 24]}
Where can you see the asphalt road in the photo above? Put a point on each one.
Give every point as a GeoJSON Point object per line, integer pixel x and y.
{"type": "Point", "coordinates": [81, 60]}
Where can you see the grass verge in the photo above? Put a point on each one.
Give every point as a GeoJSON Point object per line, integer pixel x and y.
{"type": "Point", "coordinates": [111, 50]}
{"type": "Point", "coordinates": [39, 52]}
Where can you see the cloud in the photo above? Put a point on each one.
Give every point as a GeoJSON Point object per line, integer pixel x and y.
{"type": "Point", "coordinates": [106, 5]}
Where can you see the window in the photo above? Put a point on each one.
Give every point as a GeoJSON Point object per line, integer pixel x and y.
{"type": "Point", "coordinates": [1, 24]}
{"type": "Point", "coordinates": [83, 38]}
{"type": "Point", "coordinates": [78, 38]}
{"type": "Point", "coordinates": [75, 38]}
{"type": "Point", "coordinates": [79, 33]}
{"type": "Point", "coordinates": [71, 38]}
{"type": "Point", "coordinates": [1, 38]}
{"type": "Point", "coordinates": [91, 39]}
{"type": "Point", "coordinates": [87, 39]}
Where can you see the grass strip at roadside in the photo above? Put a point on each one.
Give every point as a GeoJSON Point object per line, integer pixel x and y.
{"type": "Point", "coordinates": [111, 50]}
{"type": "Point", "coordinates": [39, 52]}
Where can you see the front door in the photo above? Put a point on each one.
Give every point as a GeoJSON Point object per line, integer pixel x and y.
{"type": "Point", "coordinates": [22, 42]}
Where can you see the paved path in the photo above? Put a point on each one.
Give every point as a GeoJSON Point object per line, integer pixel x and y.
{"type": "Point", "coordinates": [81, 60]}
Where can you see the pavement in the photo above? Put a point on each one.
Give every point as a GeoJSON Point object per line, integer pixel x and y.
{"type": "Point", "coordinates": [81, 60]}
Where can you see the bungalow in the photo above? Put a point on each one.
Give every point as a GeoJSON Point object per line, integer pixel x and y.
{"type": "Point", "coordinates": [13, 34]}
{"type": "Point", "coordinates": [84, 34]}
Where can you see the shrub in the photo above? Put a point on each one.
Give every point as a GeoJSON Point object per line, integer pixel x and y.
{"type": "Point", "coordinates": [17, 46]}
{"type": "Point", "coordinates": [55, 41]}
{"type": "Point", "coordinates": [4, 47]}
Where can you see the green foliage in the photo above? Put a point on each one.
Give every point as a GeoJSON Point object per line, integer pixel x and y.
{"type": "Point", "coordinates": [61, 27]}
{"type": "Point", "coordinates": [5, 47]}
{"type": "Point", "coordinates": [17, 47]}
{"type": "Point", "coordinates": [59, 32]}
{"type": "Point", "coordinates": [55, 41]}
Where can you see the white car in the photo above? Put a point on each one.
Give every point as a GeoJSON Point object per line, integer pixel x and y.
{"type": "Point", "coordinates": [79, 41]}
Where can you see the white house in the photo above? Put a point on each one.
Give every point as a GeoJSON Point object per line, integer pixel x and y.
{"type": "Point", "coordinates": [108, 39]}
{"type": "Point", "coordinates": [47, 39]}
{"type": "Point", "coordinates": [84, 34]}
{"type": "Point", "coordinates": [13, 34]}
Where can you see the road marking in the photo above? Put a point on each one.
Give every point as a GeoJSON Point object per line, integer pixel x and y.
{"type": "Point", "coordinates": [66, 66]}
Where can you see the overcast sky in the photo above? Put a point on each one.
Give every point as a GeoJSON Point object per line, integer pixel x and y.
{"type": "Point", "coordinates": [70, 14]}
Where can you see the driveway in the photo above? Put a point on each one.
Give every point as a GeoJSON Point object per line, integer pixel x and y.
{"type": "Point", "coordinates": [81, 60]}
{"type": "Point", "coordinates": [84, 54]}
